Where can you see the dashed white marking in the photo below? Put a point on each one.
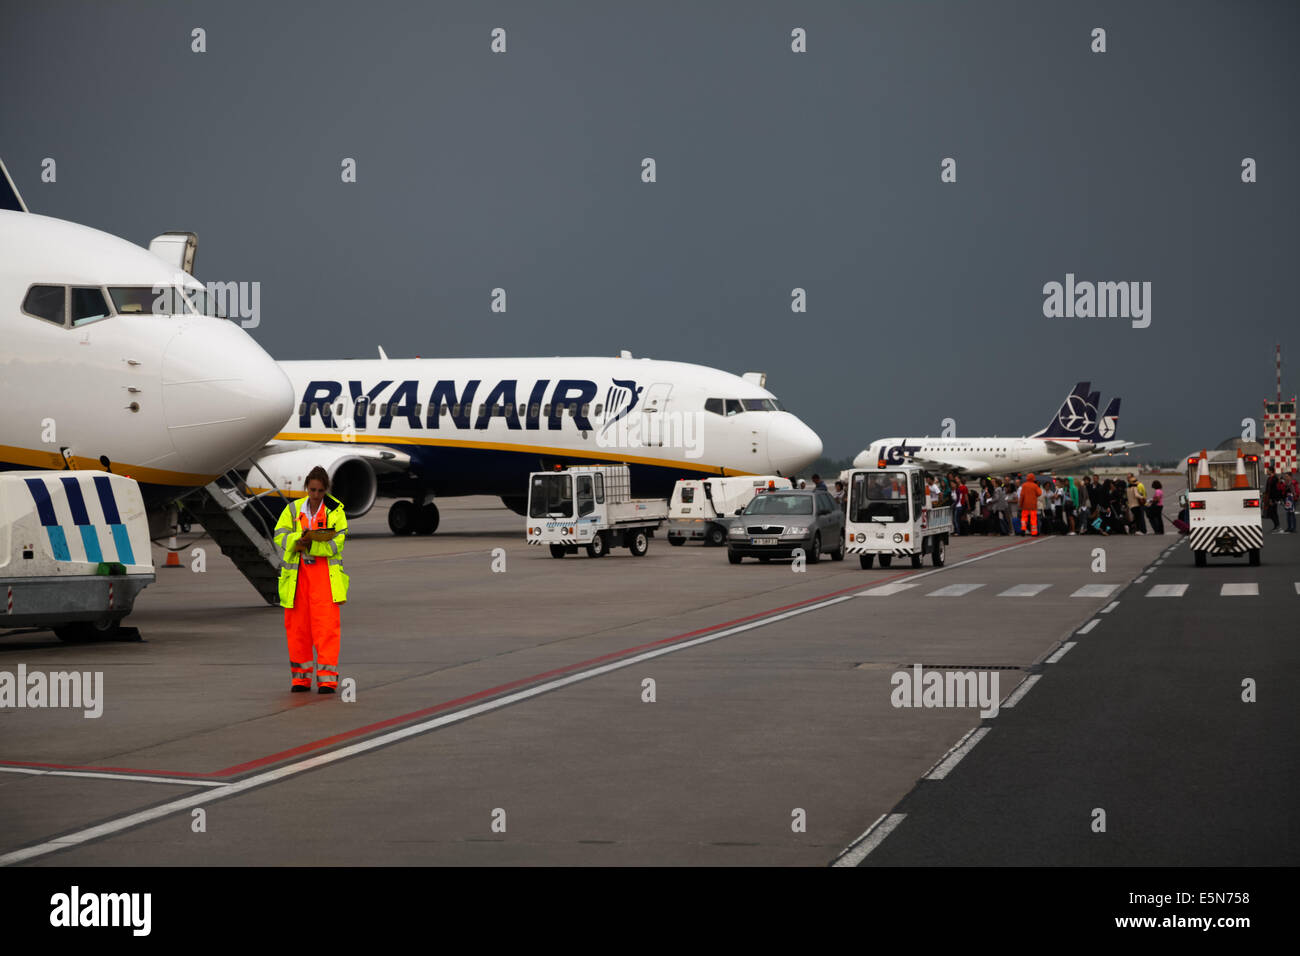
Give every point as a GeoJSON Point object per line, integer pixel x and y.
{"type": "Point", "coordinates": [884, 590]}
{"type": "Point", "coordinates": [1139, 580]}
{"type": "Point", "coordinates": [872, 837]}
{"type": "Point", "coordinates": [1022, 690]}
{"type": "Point", "coordinates": [1061, 652]}
{"type": "Point", "coordinates": [1095, 590]}
{"type": "Point", "coordinates": [1240, 589]}
{"type": "Point", "coordinates": [1089, 626]}
{"type": "Point", "coordinates": [1025, 590]}
{"type": "Point", "coordinates": [954, 590]}
{"type": "Point", "coordinates": [1110, 607]}
{"type": "Point", "coordinates": [104, 775]}
{"type": "Point", "coordinates": [1167, 590]}
{"type": "Point", "coordinates": [954, 756]}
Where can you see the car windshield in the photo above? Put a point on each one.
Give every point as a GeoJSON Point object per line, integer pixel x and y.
{"type": "Point", "coordinates": [149, 300]}
{"type": "Point", "coordinates": [777, 504]}
{"type": "Point", "coordinates": [878, 494]}
{"type": "Point", "coordinates": [551, 496]}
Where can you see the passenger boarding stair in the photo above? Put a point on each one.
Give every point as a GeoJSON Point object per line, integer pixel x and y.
{"type": "Point", "coordinates": [242, 525]}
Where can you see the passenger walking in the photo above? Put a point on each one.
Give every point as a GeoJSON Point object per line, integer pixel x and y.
{"type": "Point", "coordinates": [1157, 507]}
{"type": "Point", "coordinates": [1289, 495]}
{"type": "Point", "coordinates": [1272, 497]}
{"type": "Point", "coordinates": [1000, 507]}
{"type": "Point", "coordinates": [310, 536]}
{"type": "Point", "coordinates": [1135, 500]}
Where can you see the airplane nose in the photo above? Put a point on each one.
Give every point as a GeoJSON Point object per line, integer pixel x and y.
{"type": "Point", "coordinates": [792, 445]}
{"type": "Point", "coordinates": [223, 396]}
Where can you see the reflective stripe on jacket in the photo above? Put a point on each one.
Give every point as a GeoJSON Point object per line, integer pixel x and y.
{"type": "Point", "coordinates": [287, 533]}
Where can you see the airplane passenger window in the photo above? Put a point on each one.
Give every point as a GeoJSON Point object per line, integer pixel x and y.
{"type": "Point", "coordinates": [45, 302]}
{"type": "Point", "coordinates": [455, 411]}
{"type": "Point", "coordinates": [713, 405]}
{"type": "Point", "coordinates": [546, 410]}
{"type": "Point", "coordinates": [585, 408]}
{"type": "Point", "coordinates": [88, 305]}
{"type": "Point", "coordinates": [598, 406]}
{"type": "Point", "coordinates": [537, 410]}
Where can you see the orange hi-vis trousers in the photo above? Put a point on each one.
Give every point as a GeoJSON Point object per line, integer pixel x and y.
{"type": "Point", "coordinates": [1029, 522]}
{"type": "Point", "coordinates": [313, 622]}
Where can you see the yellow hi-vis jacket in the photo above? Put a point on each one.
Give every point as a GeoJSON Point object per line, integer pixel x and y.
{"type": "Point", "coordinates": [287, 532]}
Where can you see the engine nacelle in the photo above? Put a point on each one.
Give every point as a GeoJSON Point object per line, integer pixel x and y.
{"type": "Point", "coordinates": [352, 478]}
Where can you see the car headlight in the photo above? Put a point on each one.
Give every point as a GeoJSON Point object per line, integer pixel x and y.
{"type": "Point", "coordinates": [737, 532]}
{"type": "Point", "coordinates": [796, 532]}
{"type": "Point", "coordinates": [898, 538]}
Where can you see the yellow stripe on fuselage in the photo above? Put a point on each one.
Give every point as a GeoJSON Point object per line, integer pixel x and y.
{"type": "Point", "coordinates": [54, 461]}
{"type": "Point", "coordinates": [331, 438]}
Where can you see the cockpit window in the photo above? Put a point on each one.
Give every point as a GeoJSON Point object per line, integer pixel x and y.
{"type": "Point", "coordinates": [45, 302]}
{"type": "Point", "coordinates": [713, 405]}
{"type": "Point", "coordinates": [88, 305]}
{"type": "Point", "coordinates": [734, 406]}
{"type": "Point", "coordinates": [149, 300]}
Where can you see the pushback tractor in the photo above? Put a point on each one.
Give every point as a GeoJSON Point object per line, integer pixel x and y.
{"type": "Point", "coordinates": [592, 508]}
{"type": "Point", "coordinates": [1223, 506]}
{"type": "Point", "coordinates": [889, 516]}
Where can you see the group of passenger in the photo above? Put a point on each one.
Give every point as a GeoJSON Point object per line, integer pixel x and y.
{"type": "Point", "coordinates": [1012, 506]}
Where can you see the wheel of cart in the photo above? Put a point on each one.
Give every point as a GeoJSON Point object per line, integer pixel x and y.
{"type": "Point", "coordinates": [598, 546]}
{"type": "Point", "coordinates": [638, 542]}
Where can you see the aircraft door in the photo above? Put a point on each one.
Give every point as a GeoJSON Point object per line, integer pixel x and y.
{"type": "Point", "coordinates": [656, 425]}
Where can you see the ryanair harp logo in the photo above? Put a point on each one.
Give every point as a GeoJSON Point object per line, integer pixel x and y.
{"type": "Point", "coordinates": [620, 399]}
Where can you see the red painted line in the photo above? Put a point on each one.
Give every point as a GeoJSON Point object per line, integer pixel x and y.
{"type": "Point", "coordinates": [332, 740]}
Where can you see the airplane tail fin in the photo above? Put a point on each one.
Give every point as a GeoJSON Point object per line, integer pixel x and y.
{"type": "Point", "coordinates": [9, 198]}
{"type": "Point", "coordinates": [1076, 414]}
{"type": "Point", "coordinates": [1108, 423]}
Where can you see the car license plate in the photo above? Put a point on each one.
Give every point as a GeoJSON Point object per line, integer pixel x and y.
{"type": "Point", "coordinates": [762, 541]}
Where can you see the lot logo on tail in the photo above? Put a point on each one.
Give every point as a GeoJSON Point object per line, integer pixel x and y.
{"type": "Point", "coordinates": [1077, 415]}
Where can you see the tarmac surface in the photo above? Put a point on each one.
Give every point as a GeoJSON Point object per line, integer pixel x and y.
{"type": "Point", "coordinates": [503, 717]}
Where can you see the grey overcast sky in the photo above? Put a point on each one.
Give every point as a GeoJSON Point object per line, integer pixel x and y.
{"type": "Point", "coordinates": [776, 170]}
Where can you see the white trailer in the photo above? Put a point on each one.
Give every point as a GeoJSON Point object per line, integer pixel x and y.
{"type": "Point", "coordinates": [889, 515]}
{"type": "Point", "coordinates": [1223, 506]}
{"type": "Point", "coordinates": [699, 507]}
{"type": "Point", "coordinates": [74, 551]}
{"type": "Point", "coordinates": [590, 507]}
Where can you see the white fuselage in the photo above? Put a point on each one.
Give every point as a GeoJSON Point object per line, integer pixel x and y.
{"type": "Point", "coordinates": [481, 425]}
{"type": "Point", "coordinates": [978, 456]}
{"type": "Point", "coordinates": [171, 400]}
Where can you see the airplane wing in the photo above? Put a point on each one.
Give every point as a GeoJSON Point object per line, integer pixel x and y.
{"type": "Point", "coordinates": [1115, 447]}
{"type": "Point", "coordinates": [1060, 448]}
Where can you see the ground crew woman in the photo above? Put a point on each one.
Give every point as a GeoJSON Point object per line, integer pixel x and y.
{"type": "Point", "coordinates": [312, 582]}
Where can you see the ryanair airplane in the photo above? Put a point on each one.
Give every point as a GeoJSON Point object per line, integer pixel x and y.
{"type": "Point", "coordinates": [101, 372]}
{"type": "Point", "coordinates": [420, 428]}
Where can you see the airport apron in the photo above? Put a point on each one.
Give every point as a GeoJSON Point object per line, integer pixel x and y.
{"type": "Point", "coordinates": [313, 621]}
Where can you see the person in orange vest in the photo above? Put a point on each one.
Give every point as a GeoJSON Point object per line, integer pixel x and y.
{"type": "Point", "coordinates": [1029, 492]}
{"type": "Point", "coordinates": [310, 536]}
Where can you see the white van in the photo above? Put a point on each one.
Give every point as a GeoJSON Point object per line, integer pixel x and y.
{"type": "Point", "coordinates": [698, 505]}
{"type": "Point", "coordinates": [74, 551]}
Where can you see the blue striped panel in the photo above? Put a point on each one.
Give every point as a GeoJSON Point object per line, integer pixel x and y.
{"type": "Point", "coordinates": [44, 507]}
{"type": "Point", "coordinates": [59, 542]}
{"type": "Point", "coordinates": [76, 503]}
{"type": "Point", "coordinates": [123, 542]}
{"type": "Point", "coordinates": [90, 538]}
{"type": "Point", "coordinates": [104, 486]}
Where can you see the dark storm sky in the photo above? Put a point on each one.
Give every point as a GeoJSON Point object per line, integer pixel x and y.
{"type": "Point", "coordinates": [775, 170]}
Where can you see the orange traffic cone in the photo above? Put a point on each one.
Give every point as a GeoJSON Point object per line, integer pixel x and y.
{"type": "Point", "coordinates": [1240, 480]}
{"type": "Point", "coordinates": [173, 559]}
{"type": "Point", "coordinates": [1203, 482]}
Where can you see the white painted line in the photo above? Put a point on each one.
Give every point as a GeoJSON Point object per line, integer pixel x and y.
{"type": "Point", "coordinates": [1061, 652]}
{"type": "Point", "coordinates": [885, 590]}
{"type": "Point", "coordinates": [1241, 589]}
{"type": "Point", "coordinates": [1150, 570]}
{"type": "Point", "coordinates": [1139, 580]}
{"type": "Point", "coordinates": [882, 590]}
{"type": "Point", "coordinates": [1025, 590]}
{"type": "Point", "coordinates": [1297, 587]}
{"type": "Point", "coordinates": [1021, 690]}
{"type": "Point", "coordinates": [1095, 590]}
{"type": "Point", "coordinates": [1110, 607]}
{"type": "Point", "coordinates": [953, 757]}
{"type": "Point", "coordinates": [1167, 590]}
{"type": "Point", "coordinates": [954, 590]}
{"type": "Point", "coordinates": [1089, 626]}
{"type": "Point", "coordinates": [857, 851]}
{"type": "Point", "coordinates": [101, 775]}
{"type": "Point", "coordinates": [117, 825]}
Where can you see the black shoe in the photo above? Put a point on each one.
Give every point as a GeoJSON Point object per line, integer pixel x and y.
{"type": "Point", "coordinates": [324, 690]}
{"type": "Point", "coordinates": [300, 689]}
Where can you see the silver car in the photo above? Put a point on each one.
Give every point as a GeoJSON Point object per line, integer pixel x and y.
{"type": "Point", "coordinates": [777, 522]}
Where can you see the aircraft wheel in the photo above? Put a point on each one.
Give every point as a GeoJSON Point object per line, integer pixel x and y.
{"type": "Point", "coordinates": [402, 517]}
{"type": "Point", "coordinates": [428, 520]}
{"type": "Point", "coordinates": [866, 560]}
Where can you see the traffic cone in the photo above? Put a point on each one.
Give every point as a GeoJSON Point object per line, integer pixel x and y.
{"type": "Point", "coordinates": [173, 559]}
{"type": "Point", "coordinates": [1203, 482]}
{"type": "Point", "coordinates": [1240, 480]}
